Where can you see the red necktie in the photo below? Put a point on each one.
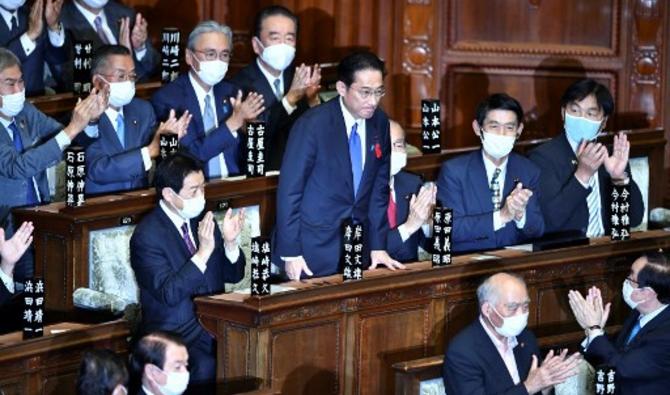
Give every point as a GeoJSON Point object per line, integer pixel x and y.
{"type": "Point", "coordinates": [391, 212]}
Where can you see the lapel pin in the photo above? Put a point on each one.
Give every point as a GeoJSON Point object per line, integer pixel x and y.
{"type": "Point", "coordinates": [134, 121]}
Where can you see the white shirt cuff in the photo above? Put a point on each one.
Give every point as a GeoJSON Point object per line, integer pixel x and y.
{"type": "Point", "coordinates": [146, 158]}
{"type": "Point", "coordinates": [91, 131]}
{"type": "Point", "coordinates": [497, 221]}
{"type": "Point", "coordinates": [202, 266]}
{"type": "Point", "coordinates": [287, 106]}
{"type": "Point", "coordinates": [587, 185]}
{"type": "Point", "coordinates": [7, 280]}
{"type": "Point", "coordinates": [290, 258]}
{"type": "Point", "coordinates": [589, 339]}
{"type": "Point", "coordinates": [404, 232]}
{"type": "Point", "coordinates": [522, 222]}
{"type": "Point", "coordinates": [139, 55]}
{"type": "Point", "coordinates": [63, 140]}
{"type": "Point", "coordinates": [233, 254]}
{"type": "Point", "coordinates": [27, 44]}
{"type": "Point", "coordinates": [57, 38]}
{"type": "Point", "coordinates": [427, 230]}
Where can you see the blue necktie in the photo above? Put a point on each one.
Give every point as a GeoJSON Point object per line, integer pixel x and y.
{"type": "Point", "coordinates": [278, 93]}
{"type": "Point", "coordinates": [633, 332]}
{"type": "Point", "coordinates": [355, 154]}
{"type": "Point", "coordinates": [121, 130]}
{"type": "Point", "coordinates": [209, 124]}
{"type": "Point", "coordinates": [31, 194]}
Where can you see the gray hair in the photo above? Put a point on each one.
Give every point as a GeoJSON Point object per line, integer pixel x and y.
{"type": "Point", "coordinates": [209, 27]}
{"type": "Point", "coordinates": [8, 59]}
{"type": "Point", "coordinates": [488, 290]}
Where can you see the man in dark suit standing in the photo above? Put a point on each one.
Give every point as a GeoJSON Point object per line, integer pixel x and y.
{"type": "Point", "coordinates": [578, 172]}
{"type": "Point", "coordinates": [106, 22]}
{"type": "Point", "coordinates": [124, 143]}
{"type": "Point", "coordinates": [178, 254]}
{"type": "Point", "coordinates": [410, 206]}
{"type": "Point", "coordinates": [336, 167]}
{"type": "Point", "coordinates": [23, 32]}
{"type": "Point", "coordinates": [493, 191]}
{"type": "Point", "coordinates": [288, 92]}
{"type": "Point", "coordinates": [159, 365]}
{"type": "Point", "coordinates": [640, 355]}
{"type": "Point", "coordinates": [497, 354]}
{"type": "Point", "coordinates": [216, 105]}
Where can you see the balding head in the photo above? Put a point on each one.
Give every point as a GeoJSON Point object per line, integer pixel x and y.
{"type": "Point", "coordinates": [504, 292]}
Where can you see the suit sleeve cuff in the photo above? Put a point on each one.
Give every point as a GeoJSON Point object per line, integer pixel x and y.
{"type": "Point", "coordinates": [7, 280]}
{"type": "Point", "coordinates": [146, 158]}
{"type": "Point", "coordinates": [57, 38]}
{"type": "Point", "coordinates": [139, 55]}
{"type": "Point", "coordinates": [202, 266]}
{"type": "Point", "coordinates": [497, 221]}
{"type": "Point", "coordinates": [232, 254]}
{"type": "Point", "coordinates": [27, 44]}
{"type": "Point", "coordinates": [521, 222]}
{"type": "Point", "coordinates": [404, 232]}
{"type": "Point", "coordinates": [287, 106]}
{"type": "Point", "coordinates": [63, 140]}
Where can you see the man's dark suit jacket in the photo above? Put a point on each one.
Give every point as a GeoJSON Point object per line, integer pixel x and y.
{"type": "Point", "coordinates": [563, 198]}
{"type": "Point", "coordinates": [279, 122]}
{"type": "Point", "coordinates": [473, 366]}
{"type": "Point", "coordinates": [11, 304]}
{"type": "Point", "coordinates": [180, 96]}
{"type": "Point", "coordinates": [111, 167]}
{"type": "Point", "coordinates": [33, 65]}
{"type": "Point", "coordinates": [464, 187]}
{"type": "Point", "coordinates": [643, 366]}
{"type": "Point", "coordinates": [405, 185]}
{"type": "Point", "coordinates": [167, 278]}
{"type": "Point", "coordinates": [79, 29]}
{"type": "Point", "coordinates": [316, 194]}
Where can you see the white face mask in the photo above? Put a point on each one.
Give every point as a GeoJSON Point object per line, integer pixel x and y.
{"type": "Point", "coordinates": [192, 207]}
{"type": "Point", "coordinates": [278, 56]}
{"type": "Point", "coordinates": [512, 326]}
{"type": "Point", "coordinates": [497, 146]}
{"type": "Point", "coordinates": [212, 71]}
{"type": "Point", "coordinates": [176, 383]}
{"type": "Point", "coordinates": [13, 104]}
{"type": "Point", "coordinates": [121, 93]}
{"type": "Point", "coordinates": [96, 3]}
{"type": "Point", "coordinates": [12, 5]}
{"type": "Point", "coordinates": [627, 293]}
{"type": "Point", "coordinates": [398, 161]}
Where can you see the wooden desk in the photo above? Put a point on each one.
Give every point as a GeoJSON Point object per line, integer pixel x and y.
{"type": "Point", "coordinates": [50, 364]}
{"type": "Point", "coordinates": [62, 235]}
{"type": "Point", "coordinates": [343, 338]}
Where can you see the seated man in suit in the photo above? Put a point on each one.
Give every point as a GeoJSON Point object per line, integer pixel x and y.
{"type": "Point", "coordinates": [336, 167]}
{"type": "Point", "coordinates": [11, 251]}
{"type": "Point", "coordinates": [31, 142]}
{"type": "Point", "coordinates": [493, 191]}
{"type": "Point", "coordinates": [496, 354]}
{"type": "Point", "coordinates": [124, 143]}
{"type": "Point", "coordinates": [106, 22]}
{"type": "Point", "coordinates": [178, 254]}
{"type": "Point", "coordinates": [578, 172]}
{"type": "Point", "coordinates": [410, 205]}
{"type": "Point", "coordinates": [159, 365]}
{"type": "Point", "coordinates": [287, 91]}
{"type": "Point", "coordinates": [216, 105]}
{"type": "Point", "coordinates": [25, 35]}
{"type": "Point", "coordinates": [640, 354]}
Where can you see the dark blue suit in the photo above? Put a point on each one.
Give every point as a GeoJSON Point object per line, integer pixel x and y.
{"type": "Point", "coordinates": [473, 366]}
{"type": "Point", "coordinates": [180, 96]}
{"type": "Point", "coordinates": [168, 281]}
{"type": "Point", "coordinates": [643, 366]}
{"type": "Point", "coordinates": [563, 197]}
{"type": "Point", "coordinates": [33, 65]}
{"type": "Point", "coordinates": [405, 185]}
{"type": "Point", "coordinates": [316, 194]}
{"type": "Point", "coordinates": [464, 187]}
{"type": "Point", "coordinates": [111, 167]}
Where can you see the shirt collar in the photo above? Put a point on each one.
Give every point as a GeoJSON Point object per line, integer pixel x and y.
{"type": "Point", "coordinates": [490, 167]}
{"type": "Point", "coordinates": [112, 114]}
{"type": "Point", "coordinates": [271, 78]}
{"type": "Point", "coordinates": [146, 390]}
{"type": "Point", "coordinates": [349, 119]}
{"type": "Point", "coordinates": [176, 219]}
{"type": "Point", "coordinates": [89, 16]}
{"type": "Point", "coordinates": [200, 93]}
{"type": "Point", "coordinates": [5, 122]}
{"type": "Point", "coordinates": [644, 319]}
{"type": "Point", "coordinates": [511, 341]}
{"type": "Point", "coordinates": [7, 16]}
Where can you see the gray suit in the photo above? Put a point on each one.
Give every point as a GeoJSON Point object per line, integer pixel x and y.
{"type": "Point", "coordinates": [41, 151]}
{"type": "Point", "coordinates": [78, 29]}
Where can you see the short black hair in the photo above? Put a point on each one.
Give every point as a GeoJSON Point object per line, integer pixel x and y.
{"type": "Point", "coordinates": [656, 275]}
{"type": "Point", "coordinates": [172, 170]}
{"type": "Point", "coordinates": [273, 10]}
{"type": "Point", "coordinates": [498, 101]}
{"type": "Point", "coordinates": [582, 88]}
{"type": "Point", "coordinates": [102, 55]}
{"type": "Point", "coordinates": [358, 61]}
{"type": "Point", "coordinates": [100, 372]}
{"type": "Point", "coordinates": [150, 349]}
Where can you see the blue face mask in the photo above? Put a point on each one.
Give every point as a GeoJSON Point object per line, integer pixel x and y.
{"type": "Point", "coordinates": [579, 128]}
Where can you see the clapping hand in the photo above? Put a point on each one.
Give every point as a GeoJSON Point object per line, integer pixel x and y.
{"type": "Point", "coordinates": [138, 35]}
{"type": "Point", "coordinates": [589, 311]}
{"type": "Point", "coordinates": [555, 369]}
{"type": "Point", "coordinates": [52, 14]}
{"type": "Point", "coordinates": [616, 163]}
{"type": "Point", "coordinates": [421, 207]}
{"type": "Point", "coordinates": [516, 203]}
{"type": "Point", "coordinates": [590, 156]}
{"type": "Point", "coordinates": [36, 20]}
{"type": "Point", "coordinates": [13, 249]}
{"type": "Point", "coordinates": [245, 110]}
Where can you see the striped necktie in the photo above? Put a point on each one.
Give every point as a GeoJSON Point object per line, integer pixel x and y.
{"type": "Point", "coordinates": [595, 228]}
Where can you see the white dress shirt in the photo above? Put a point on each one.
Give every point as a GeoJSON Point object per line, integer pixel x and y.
{"type": "Point", "coordinates": [56, 38]}
{"type": "Point", "coordinates": [271, 80]}
{"type": "Point", "coordinates": [8, 281]}
{"type": "Point", "coordinates": [402, 228]}
{"type": "Point", "coordinates": [506, 350]}
{"type": "Point", "coordinates": [490, 169]}
{"type": "Point", "coordinates": [644, 320]}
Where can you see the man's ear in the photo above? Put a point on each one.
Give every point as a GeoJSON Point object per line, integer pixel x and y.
{"type": "Point", "coordinates": [603, 124]}
{"type": "Point", "coordinates": [98, 82]}
{"type": "Point", "coordinates": [563, 114]}
{"type": "Point", "coordinates": [189, 57]}
{"type": "Point", "coordinates": [154, 374]}
{"type": "Point", "coordinates": [167, 194]}
{"type": "Point", "coordinates": [519, 130]}
{"type": "Point", "coordinates": [256, 45]}
{"type": "Point", "coordinates": [476, 128]}
{"type": "Point", "coordinates": [341, 88]}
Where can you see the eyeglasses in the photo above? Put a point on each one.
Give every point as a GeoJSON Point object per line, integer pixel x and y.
{"type": "Point", "coordinates": [213, 55]}
{"type": "Point", "coordinates": [366, 93]}
{"type": "Point", "coordinates": [632, 281]}
{"type": "Point", "coordinates": [120, 77]}
{"type": "Point", "coordinates": [12, 82]}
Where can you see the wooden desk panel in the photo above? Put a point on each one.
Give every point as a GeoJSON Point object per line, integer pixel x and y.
{"type": "Point", "coordinates": [342, 338]}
